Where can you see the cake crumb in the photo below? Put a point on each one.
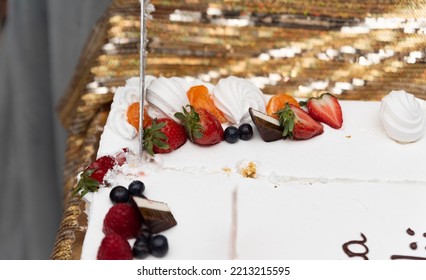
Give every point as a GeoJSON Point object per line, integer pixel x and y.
{"type": "Point", "coordinates": [250, 171]}
{"type": "Point", "coordinates": [226, 170]}
{"type": "Point", "coordinates": [348, 136]}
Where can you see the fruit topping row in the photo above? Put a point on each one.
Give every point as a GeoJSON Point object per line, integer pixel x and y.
{"type": "Point", "coordinates": [201, 121]}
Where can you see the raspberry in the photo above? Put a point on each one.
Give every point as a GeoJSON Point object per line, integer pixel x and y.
{"type": "Point", "coordinates": [114, 247]}
{"type": "Point", "coordinates": [124, 220]}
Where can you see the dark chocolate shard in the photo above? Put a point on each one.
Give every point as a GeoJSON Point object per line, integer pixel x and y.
{"type": "Point", "coordinates": [156, 215]}
{"type": "Point", "coordinates": [268, 127]}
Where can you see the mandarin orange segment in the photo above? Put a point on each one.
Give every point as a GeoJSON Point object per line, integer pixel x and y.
{"type": "Point", "coordinates": [133, 116]}
{"type": "Point", "coordinates": [277, 102]}
{"type": "Point", "coordinates": [199, 97]}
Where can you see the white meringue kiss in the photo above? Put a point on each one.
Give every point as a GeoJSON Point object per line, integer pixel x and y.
{"type": "Point", "coordinates": [234, 96]}
{"type": "Point", "coordinates": [123, 98]}
{"type": "Point", "coordinates": [402, 116]}
{"type": "Point", "coordinates": [168, 95]}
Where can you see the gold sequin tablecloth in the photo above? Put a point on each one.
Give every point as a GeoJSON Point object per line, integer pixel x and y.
{"type": "Point", "coordinates": [354, 49]}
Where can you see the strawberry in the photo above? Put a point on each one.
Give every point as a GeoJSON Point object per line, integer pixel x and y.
{"type": "Point", "coordinates": [297, 124]}
{"type": "Point", "coordinates": [123, 219]}
{"type": "Point", "coordinates": [202, 127]}
{"type": "Point", "coordinates": [104, 163]}
{"type": "Point", "coordinates": [93, 175]}
{"type": "Point", "coordinates": [163, 136]}
{"type": "Point", "coordinates": [326, 109]}
{"type": "Point", "coordinates": [114, 247]}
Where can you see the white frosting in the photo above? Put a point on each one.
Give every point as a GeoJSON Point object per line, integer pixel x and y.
{"type": "Point", "coordinates": [234, 96]}
{"type": "Point", "coordinates": [123, 98]}
{"type": "Point", "coordinates": [402, 116]}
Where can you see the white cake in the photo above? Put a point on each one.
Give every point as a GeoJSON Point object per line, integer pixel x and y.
{"type": "Point", "coordinates": [352, 193]}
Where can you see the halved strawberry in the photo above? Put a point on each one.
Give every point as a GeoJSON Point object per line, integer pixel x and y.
{"type": "Point", "coordinates": [326, 109]}
{"type": "Point", "coordinates": [93, 175]}
{"type": "Point", "coordinates": [297, 124]}
{"type": "Point", "coordinates": [201, 126]}
{"type": "Point", "coordinates": [104, 163]}
{"type": "Point", "coordinates": [163, 136]}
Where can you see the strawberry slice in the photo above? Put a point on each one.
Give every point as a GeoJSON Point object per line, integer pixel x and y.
{"type": "Point", "coordinates": [202, 127]}
{"type": "Point", "coordinates": [297, 124]}
{"type": "Point", "coordinates": [326, 109]}
{"type": "Point", "coordinates": [163, 136]}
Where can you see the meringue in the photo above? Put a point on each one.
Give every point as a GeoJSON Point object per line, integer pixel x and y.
{"type": "Point", "coordinates": [402, 116]}
{"type": "Point", "coordinates": [234, 96]}
{"type": "Point", "coordinates": [168, 95]}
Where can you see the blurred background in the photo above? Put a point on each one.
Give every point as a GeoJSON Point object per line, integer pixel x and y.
{"type": "Point", "coordinates": [40, 44]}
{"type": "Point", "coordinates": [3, 10]}
{"type": "Point", "coordinates": [61, 61]}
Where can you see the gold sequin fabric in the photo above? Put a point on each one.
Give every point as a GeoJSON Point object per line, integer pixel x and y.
{"type": "Point", "coordinates": [355, 49]}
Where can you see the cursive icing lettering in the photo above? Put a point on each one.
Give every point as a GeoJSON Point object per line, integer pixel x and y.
{"type": "Point", "coordinates": [356, 242]}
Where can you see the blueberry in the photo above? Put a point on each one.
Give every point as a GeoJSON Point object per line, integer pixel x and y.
{"type": "Point", "coordinates": [145, 232]}
{"type": "Point", "coordinates": [136, 188]}
{"type": "Point", "coordinates": [246, 131]}
{"type": "Point", "coordinates": [158, 246]}
{"type": "Point", "coordinates": [231, 134]}
{"type": "Point", "coordinates": [140, 248]}
{"type": "Point", "coordinates": [119, 194]}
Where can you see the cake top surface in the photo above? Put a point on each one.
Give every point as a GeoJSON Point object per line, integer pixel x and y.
{"type": "Point", "coordinates": [346, 187]}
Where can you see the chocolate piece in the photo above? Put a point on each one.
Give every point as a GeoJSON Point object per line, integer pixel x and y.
{"type": "Point", "coordinates": [156, 215]}
{"type": "Point", "coordinates": [268, 127]}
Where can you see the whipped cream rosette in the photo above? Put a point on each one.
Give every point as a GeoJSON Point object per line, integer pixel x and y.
{"type": "Point", "coordinates": [234, 96]}
{"type": "Point", "coordinates": [402, 116]}
{"type": "Point", "coordinates": [123, 98]}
